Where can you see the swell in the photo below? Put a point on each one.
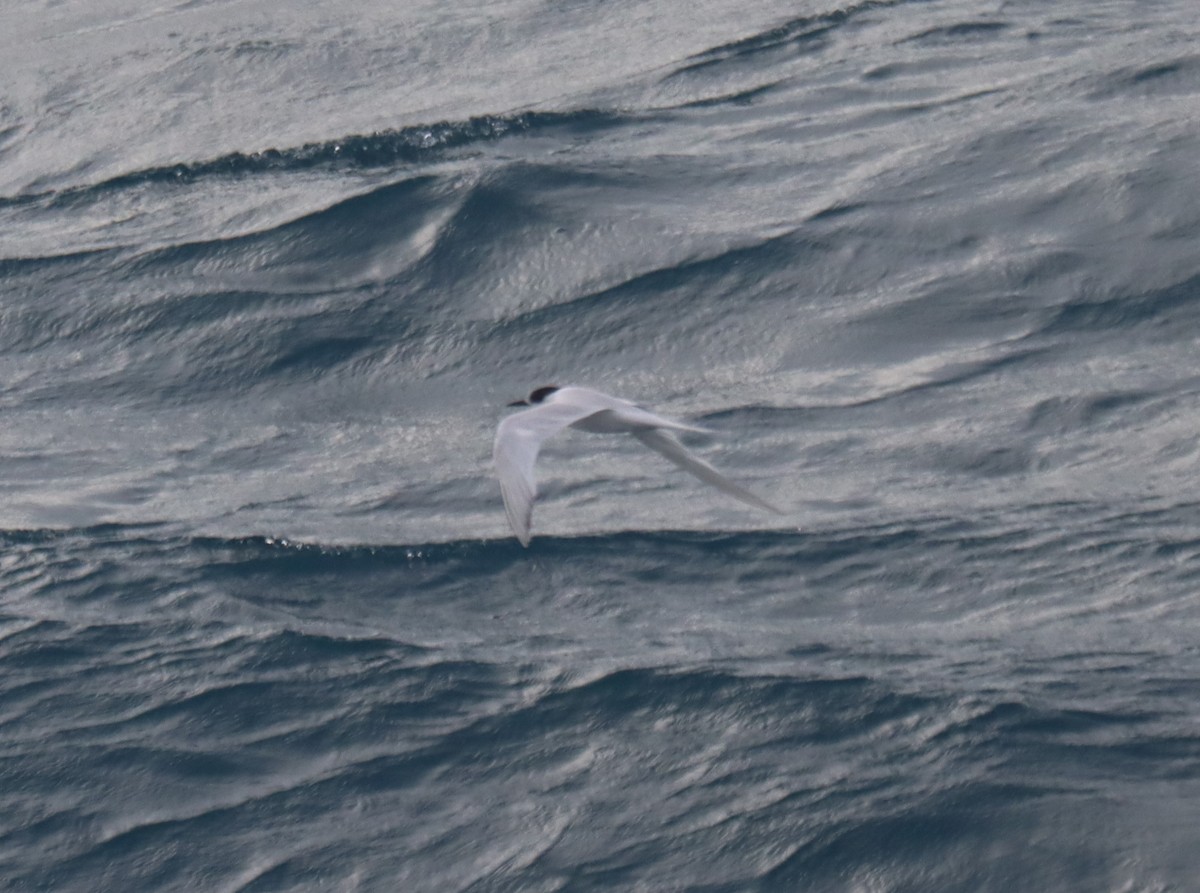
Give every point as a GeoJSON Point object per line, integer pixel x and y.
{"type": "Point", "coordinates": [363, 282]}
{"type": "Point", "coordinates": [792, 34]}
{"type": "Point", "coordinates": [835, 763]}
{"type": "Point", "coordinates": [408, 146]}
{"type": "Point", "coordinates": [1173, 311]}
{"type": "Point", "coordinates": [307, 295]}
{"type": "Point", "coordinates": [944, 561]}
{"type": "Point", "coordinates": [112, 751]}
{"type": "Point", "coordinates": [213, 765]}
{"type": "Point", "coordinates": [832, 540]}
{"type": "Point", "coordinates": [250, 738]}
{"type": "Point", "coordinates": [372, 279]}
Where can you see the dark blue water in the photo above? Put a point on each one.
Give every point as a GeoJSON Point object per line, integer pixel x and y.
{"type": "Point", "coordinates": [269, 274]}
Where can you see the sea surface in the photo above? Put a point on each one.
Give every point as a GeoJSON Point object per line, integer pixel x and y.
{"type": "Point", "coordinates": [270, 272]}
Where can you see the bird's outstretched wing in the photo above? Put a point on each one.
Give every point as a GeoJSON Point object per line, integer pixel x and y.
{"type": "Point", "coordinates": [518, 440]}
{"type": "Point", "coordinates": [616, 415]}
{"type": "Point", "coordinates": [668, 445]}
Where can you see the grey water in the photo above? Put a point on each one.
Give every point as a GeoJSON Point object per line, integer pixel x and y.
{"type": "Point", "coordinates": [269, 274]}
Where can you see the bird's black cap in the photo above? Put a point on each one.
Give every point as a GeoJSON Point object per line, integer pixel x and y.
{"type": "Point", "coordinates": [537, 396]}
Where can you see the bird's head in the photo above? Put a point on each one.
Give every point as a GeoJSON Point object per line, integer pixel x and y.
{"type": "Point", "coordinates": [537, 396]}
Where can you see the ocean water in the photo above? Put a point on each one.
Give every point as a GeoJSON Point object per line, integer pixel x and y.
{"type": "Point", "coordinates": [268, 275]}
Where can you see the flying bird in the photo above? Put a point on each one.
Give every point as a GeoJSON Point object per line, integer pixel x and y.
{"type": "Point", "coordinates": [551, 409]}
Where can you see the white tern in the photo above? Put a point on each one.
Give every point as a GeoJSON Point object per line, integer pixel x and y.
{"type": "Point", "coordinates": [551, 409]}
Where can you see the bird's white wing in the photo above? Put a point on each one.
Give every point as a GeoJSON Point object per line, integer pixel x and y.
{"type": "Point", "coordinates": [518, 440]}
{"type": "Point", "coordinates": [669, 446]}
{"type": "Point", "coordinates": [614, 414]}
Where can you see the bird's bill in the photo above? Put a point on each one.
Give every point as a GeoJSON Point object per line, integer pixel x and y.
{"type": "Point", "coordinates": [519, 403]}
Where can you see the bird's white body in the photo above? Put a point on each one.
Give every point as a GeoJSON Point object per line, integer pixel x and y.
{"type": "Point", "coordinates": [520, 437]}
